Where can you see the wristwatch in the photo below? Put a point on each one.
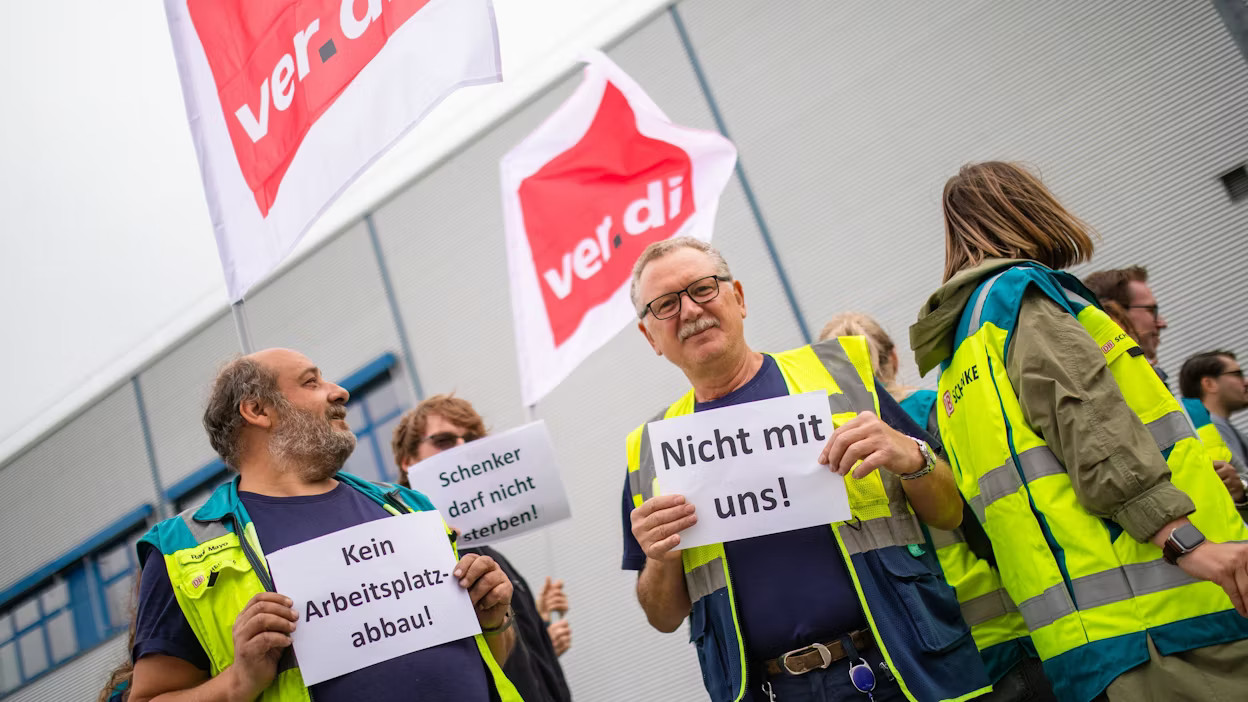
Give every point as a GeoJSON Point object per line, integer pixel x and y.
{"type": "Point", "coordinates": [1181, 542]}
{"type": "Point", "coordinates": [926, 452]}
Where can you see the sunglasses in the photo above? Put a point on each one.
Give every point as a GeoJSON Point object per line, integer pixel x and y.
{"type": "Point", "coordinates": [444, 440]}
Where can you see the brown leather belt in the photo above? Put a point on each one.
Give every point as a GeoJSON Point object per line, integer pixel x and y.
{"type": "Point", "coordinates": [818, 655]}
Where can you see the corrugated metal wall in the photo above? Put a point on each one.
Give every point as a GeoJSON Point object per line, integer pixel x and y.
{"type": "Point", "coordinates": [849, 117]}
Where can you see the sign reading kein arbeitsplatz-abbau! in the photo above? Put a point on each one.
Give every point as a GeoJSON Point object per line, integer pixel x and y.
{"type": "Point", "coordinates": [750, 469]}
{"type": "Point", "coordinates": [290, 100]}
{"type": "Point", "coordinates": [372, 592]}
{"type": "Point", "coordinates": [495, 487]}
{"type": "Point", "coordinates": [602, 178]}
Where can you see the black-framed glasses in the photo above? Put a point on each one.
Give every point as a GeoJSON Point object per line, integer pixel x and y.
{"type": "Point", "coordinates": [1237, 373]}
{"type": "Point", "coordinates": [444, 440]}
{"type": "Point", "coordinates": [1154, 310]}
{"type": "Point", "coordinates": [701, 291]}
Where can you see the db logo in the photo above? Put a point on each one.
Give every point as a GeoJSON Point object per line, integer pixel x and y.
{"type": "Point", "coordinates": [948, 402]}
{"type": "Point", "coordinates": [591, 210]}
{"type": "Point", "coordinates": [279, 65]}
{"type": "Point", "coordinates": [1109, 345]}
{"type": "Point", "coordinates": [199, 580]}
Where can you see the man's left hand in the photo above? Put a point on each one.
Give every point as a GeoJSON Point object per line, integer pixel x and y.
{"type": "Point", "coordinates": [487, 585]}
{"type": "Point", "coordinates": [868, 439]}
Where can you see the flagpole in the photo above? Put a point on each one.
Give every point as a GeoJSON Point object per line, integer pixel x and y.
{"type": "Point", "coordinates": [531, 412]}
{"type": "Point", "coordinates": [240, 326]}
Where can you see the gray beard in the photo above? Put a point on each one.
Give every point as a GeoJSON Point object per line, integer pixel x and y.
{"type": "Point", "coordinates": [306, 443]}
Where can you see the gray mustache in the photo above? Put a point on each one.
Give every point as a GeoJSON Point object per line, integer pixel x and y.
{"type": "Point", "coordinates": [696, 326]}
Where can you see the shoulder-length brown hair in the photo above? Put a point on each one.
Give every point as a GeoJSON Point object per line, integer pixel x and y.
{"type": "Point", "coordinates": [996, 209]}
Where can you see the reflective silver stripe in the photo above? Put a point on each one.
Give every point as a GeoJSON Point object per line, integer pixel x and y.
{"type": "Point", "coordinates": [987, 607]}
{"type": "Point", "coordinates": [978, 309]}
{"type": "Point", "coordinates": [897, 530]}
{"type": "Point", "coordinates": [840, 404]}
{"type": "Point", "coordinates": [842, 370]}
{"type": "Point", "coordinates": [1004, 480]}
{"type": "Point", "coordinates": [1129, 581]}
{"type": "Point", "coordinates": [705, 579]}
{"type": "Point", "coordinates": [641, 481]}
{"type": "Point", "coordinates": [202, 532]}
{"type": "Point", "coordinates": [1047, 607]}
{"type": "Point", "coordinates": [942, 539]}
{"type": "Point", "coordinates": [1039, 462]}
{"type": "Point", "coordinates": [1169, 429]}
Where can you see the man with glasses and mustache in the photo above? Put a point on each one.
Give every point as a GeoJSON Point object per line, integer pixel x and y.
{"type": "Point", "coordinates": [851, 610]}
{"type": "Point", "coordinates": [443, 422]}
{"type": "Point", "coordinates": [1213, 389]}
{"type": "Point", "coordinates": [212, 625]}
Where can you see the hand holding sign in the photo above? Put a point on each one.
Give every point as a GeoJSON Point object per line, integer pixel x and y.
{"type": "Point", "coordinates": [488, 586]}
{"type": "Point", "coordinates": [261, 633]}
{"type": "Point", "coordinates": [657, 524]}
{"type": "Point", "coordinates": [868, 439]}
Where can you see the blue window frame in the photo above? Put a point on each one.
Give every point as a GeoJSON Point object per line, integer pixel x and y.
{"type": "Point", "coordinates": [70, 605]}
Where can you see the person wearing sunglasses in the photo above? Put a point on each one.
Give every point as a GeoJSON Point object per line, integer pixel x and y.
{"type": "Point", "coordinates": [1128, 287]}
{"type": "Point", "coordinates": [443, 422]}
{"type": "Point", "coordinates": [851, 610]}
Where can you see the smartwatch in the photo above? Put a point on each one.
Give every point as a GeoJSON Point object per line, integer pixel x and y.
{"type": "Point", "coordinates": [1181, 542]}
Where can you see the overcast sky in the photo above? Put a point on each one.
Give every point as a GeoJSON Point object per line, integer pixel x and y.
{"type": "Point", "coordinates": [106, 246]}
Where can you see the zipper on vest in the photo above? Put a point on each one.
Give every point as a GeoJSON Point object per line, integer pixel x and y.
{"type": "Point", "coordinates": [745, 663]}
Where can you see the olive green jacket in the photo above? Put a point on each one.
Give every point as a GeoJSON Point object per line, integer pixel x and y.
{"type": "Point", "coordinates": [1070, 398]}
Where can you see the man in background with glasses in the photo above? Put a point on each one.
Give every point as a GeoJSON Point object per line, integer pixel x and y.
{"type": "Point", "coordinates": [1216, 379]}
{"type": "Point", "coordinates": [1129, 288]}
{"type": "Point", "coordinates": [851, 610]}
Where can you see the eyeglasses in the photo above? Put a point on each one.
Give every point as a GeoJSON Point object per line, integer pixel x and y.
{"type": "Point", "coordinates": [1154, 310]}
{"type": "Point", "coordinates": [701, 291]}
{"type": "Point", "coordinates": [1237, 373]}
{"type": "Point", "coordinates": [445, 439]}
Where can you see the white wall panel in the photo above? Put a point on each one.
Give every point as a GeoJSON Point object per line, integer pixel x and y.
{"type": "Point", "coordinates": [175, 388]}
{"type": "Point", "coordinates": [80, 680]}
{"type": "Point", "coordinates": [331, 307]}
{"type": "Point", "coordinates": [72, 485]}
{"type": "Point", "coordinates": [850, 117]}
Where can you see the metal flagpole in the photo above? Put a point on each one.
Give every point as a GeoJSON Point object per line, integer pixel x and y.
{"type": "Point", "coordinates": [240, 326]}
{"type": "Point", "coordinates": [531, 412]}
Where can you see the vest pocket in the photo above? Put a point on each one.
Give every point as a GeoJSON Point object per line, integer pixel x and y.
{"type": "Point", "coordinates": [930, 606]}
{"type": "Point", "coordinates": [713, 656]}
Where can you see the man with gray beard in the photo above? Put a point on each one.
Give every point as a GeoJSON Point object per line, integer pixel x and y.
{"type": "Point", "coordinates": [211, 623]}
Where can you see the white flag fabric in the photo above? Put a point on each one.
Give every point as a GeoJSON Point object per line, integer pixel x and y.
{"type": "Point", "coordinates": [290, 100]}
{"type": "Point", "coordinates": [602, 178]}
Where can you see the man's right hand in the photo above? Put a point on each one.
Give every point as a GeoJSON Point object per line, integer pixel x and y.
{"type": "Point", "coordinates": [1225, 564]}
{"type": "Point", "coordinates": [657, 524]}
{"type": "Point", "coordinates": [261, 631]}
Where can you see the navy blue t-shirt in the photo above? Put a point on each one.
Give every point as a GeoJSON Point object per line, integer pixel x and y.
{"type": "Point", "coordinates": [452, 671]}
{"type": "Point", "coordinates": [791, 588]}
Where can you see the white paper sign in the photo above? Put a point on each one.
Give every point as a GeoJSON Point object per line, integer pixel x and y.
{"type": "Point", "coordinates": [372, 592]}
{"type": "Point", "coordinates": [751, 469]}
{"type": "Point", "coordinates": [496, 487]}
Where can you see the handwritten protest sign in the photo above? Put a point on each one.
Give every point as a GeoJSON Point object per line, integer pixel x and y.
{"type": "Point", "coordinates": [496, 487]}
{"type": "Point", "coordinates": [751, 469]}
{"type": "Point", "coordinates": [372, 592]}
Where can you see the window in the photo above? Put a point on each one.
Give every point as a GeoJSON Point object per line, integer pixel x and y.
{"type": "Point", "coordinates": [74, 603]}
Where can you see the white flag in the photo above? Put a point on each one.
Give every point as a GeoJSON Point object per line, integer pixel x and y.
{"type": "Point", "coordinates": [290, 100]}
{"type": "Point", "coordinates": [602, 178]}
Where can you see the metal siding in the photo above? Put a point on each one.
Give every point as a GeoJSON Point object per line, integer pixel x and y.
{"type": "Point", "coordinates": [80, 679]}
{"type": "Point", "coordinates": [331, 307]}
{"type": "Point", "coordinates": [851, 130]}
{"type": "Point", "coordinates": [94, 468]}
{"type": "Point", "coordinates": [175, 388]}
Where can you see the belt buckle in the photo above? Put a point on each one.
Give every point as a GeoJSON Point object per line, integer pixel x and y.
{"type": "Point", "coordinates": [824, 654]}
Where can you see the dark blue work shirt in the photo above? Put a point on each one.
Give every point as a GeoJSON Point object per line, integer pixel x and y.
{"type": "Point", "coordinates": [452, 671]}
{"type": "Point", "coordinates": [792, 588]}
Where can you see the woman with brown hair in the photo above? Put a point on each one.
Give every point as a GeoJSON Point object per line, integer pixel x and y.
{"type": "Point", "coordinates": [1112, 536]}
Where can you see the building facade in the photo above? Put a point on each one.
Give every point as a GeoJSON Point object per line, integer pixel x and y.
{"type": "Point", "coordinates": [849, 117]}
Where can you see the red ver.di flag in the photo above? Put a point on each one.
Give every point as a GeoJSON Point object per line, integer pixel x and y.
{"type": "Point", "coordinates": [290, 100]}
{"type": "Point", "coordinates": [602, 178]}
